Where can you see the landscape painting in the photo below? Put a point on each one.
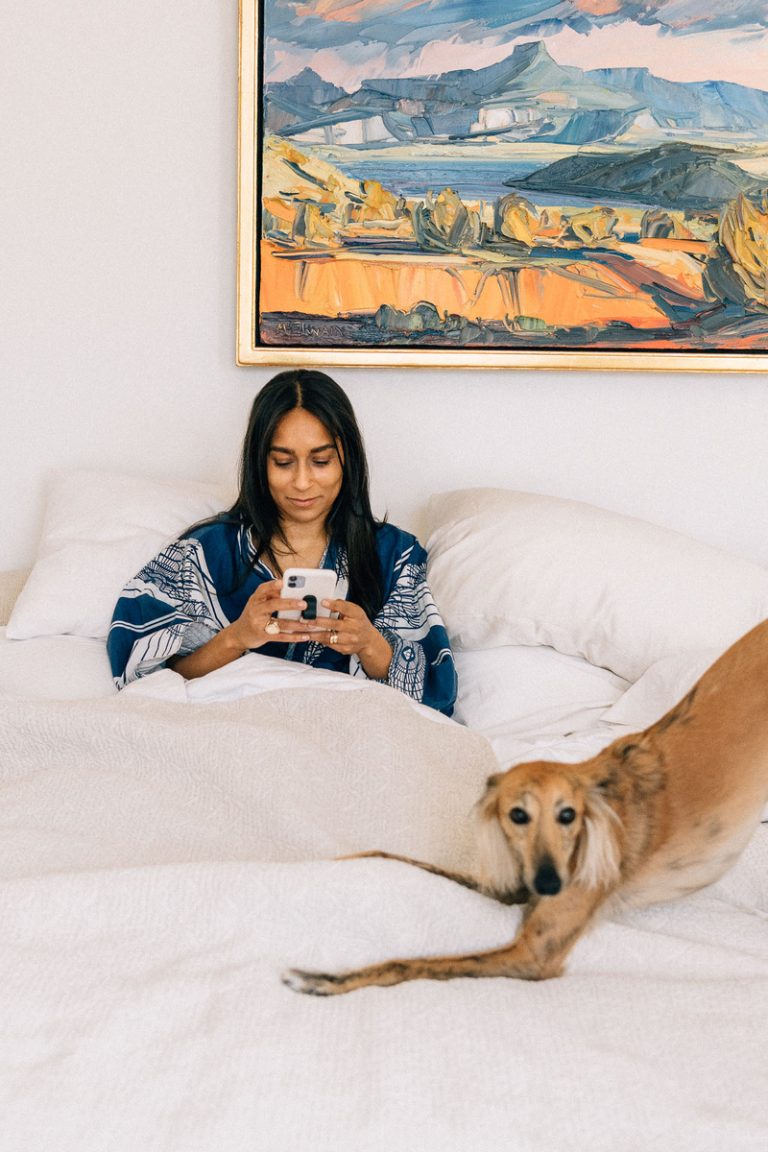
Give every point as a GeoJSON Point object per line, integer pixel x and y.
{"type": "Point", "coordinates": [508, 182]}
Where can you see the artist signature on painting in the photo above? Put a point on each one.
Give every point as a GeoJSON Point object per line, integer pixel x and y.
{"type": "Point", "coordinates": [309, 331]}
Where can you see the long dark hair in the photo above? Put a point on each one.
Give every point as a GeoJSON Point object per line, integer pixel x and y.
{"type": "Point", "coordinates": [351, 524]}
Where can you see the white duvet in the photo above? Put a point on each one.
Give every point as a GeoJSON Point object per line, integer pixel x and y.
{"type": "Point", "coordinates": [163, 860]}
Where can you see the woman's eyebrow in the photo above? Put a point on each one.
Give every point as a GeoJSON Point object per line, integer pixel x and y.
{"type": "Point", "coordinates": [290, 451]}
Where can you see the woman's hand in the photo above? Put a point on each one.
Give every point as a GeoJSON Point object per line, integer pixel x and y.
{"type": "Point", "coordinates": [254, 628]}
{"type": "Point", "coordinates": [352, 634]}
{"type": "Point", "coordinates": [257, 624]}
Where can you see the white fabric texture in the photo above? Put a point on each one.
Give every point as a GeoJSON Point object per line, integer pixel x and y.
{"type": "Point", "coordinates": [512, 567]}
{"type": "Point", "coordinates": [513, 690]}
{"type": "Point", "coordinates": [251, 675]}
{"type": "Point", "coordinates": [54, 668]}
{"type": "Point", "coordinates": [11, 583]}
{"type": "Point", "coordinates": [663, 685]}
{"type": "Point", "coordinates": [159, 869]}
{"type": "Point", "coordinates": [99, 528]}
{"type": "Point", "coordinates": [289, 774]}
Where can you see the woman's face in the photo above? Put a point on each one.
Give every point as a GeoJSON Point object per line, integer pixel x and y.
{"type": "Point", "coordinates": [304, 469]}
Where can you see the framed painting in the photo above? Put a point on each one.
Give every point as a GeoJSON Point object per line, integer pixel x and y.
{"type": "Point", "coordinates": [503, 184]}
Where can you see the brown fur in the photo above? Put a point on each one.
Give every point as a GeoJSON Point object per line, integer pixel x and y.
{"type": "Point", "coordinates": [652, 817]}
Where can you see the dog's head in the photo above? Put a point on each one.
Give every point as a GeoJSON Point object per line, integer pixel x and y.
{"type": "Point", "coordinates": [543, 826]}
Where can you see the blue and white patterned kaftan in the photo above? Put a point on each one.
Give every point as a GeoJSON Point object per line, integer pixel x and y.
{"type": "Point", "coordinates": [194, 588]}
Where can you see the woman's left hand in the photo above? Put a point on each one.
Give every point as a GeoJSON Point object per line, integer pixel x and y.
{"type": "Point", "coordinates": [352, 634]}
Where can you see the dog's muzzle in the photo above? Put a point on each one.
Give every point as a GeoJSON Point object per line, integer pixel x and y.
{"type": "Point", "coordinates": [547, 882]}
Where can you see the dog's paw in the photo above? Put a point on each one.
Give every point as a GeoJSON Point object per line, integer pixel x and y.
{"type": "Point", "coordinates": [310, 983]}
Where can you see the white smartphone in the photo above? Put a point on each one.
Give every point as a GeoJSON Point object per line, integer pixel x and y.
{"type": "Point", "coordinates": [311, 584]}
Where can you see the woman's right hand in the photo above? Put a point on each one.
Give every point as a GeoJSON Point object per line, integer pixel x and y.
{"type": "Point", "coordinates": [256, 624]}
{"type": "Point", "coordinates": [249, 631]}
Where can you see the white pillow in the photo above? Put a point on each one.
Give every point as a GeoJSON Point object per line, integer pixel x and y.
{"type": "Point", "coordinates": [54, 668]}
{"type": "Point", "coordinates": [532, 691]}
{"type": "Point", "coordinates": [99, 529]}
{"type": "Point", "coordinates": [664, 684]}
{"type": "Point", "coordinates": [517, 568]}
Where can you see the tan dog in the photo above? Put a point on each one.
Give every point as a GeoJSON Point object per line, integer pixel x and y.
{"type": "Point", "coordinates": [652, 817]}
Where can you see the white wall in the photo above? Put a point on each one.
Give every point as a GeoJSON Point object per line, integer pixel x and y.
{"type": "Point", "coordinates": [117, 306]}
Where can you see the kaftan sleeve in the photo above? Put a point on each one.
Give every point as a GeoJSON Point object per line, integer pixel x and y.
{"type": "Point", "coordinates": [170, 608]}
{"type": "Point", "coordinates": [422, 662]}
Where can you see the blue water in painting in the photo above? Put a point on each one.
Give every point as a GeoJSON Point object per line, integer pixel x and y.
{"type": "Point", "coordinates": [471, 179]}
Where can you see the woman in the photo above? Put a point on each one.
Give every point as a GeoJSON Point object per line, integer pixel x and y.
{"type": "Point", "coordinates": [212, 595]}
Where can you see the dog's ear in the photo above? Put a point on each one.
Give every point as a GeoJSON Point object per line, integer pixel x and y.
{"type": "Point", "coordinates": [487, 802]}
{"type": "Point", "coordinates": [641, 764]}
{"type": "Point", "coordinates": [629, 769]}
{"type": "Point", "coordinates": [498, 869]}
{"type": "Point", "coordinates": [598, 852]}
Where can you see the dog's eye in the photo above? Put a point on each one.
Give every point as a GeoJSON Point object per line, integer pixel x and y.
{"type": "Point", "coordinates": [566, 815]}
{"type": "Point", "coordinates": [518, 816]}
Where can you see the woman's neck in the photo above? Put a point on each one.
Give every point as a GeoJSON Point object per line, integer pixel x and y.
{"type": "Point", "coordinates": [299, 547]}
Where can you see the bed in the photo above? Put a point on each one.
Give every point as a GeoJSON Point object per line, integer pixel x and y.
{"type": "Point", "coordinates": [168, 851]}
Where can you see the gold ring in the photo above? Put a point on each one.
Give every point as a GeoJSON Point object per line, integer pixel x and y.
{"type": "Point", "coordinates": [272, 627]}
{"type": "Point", "coordinates": [333, 638]}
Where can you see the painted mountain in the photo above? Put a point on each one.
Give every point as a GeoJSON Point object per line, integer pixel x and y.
{"type": "Point", "coordinates": [674, 175]}
{"type": "Point", "coordinates": [520, 205]}
{"type": "Point", "coordinates": [527, 96]}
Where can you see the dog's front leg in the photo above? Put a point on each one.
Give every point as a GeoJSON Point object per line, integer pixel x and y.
{"type": "Point", "coordinates": [551, 927]}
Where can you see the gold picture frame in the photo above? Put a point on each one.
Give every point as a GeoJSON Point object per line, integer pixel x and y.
{"type": "Point", "coordinates": [440, 280]}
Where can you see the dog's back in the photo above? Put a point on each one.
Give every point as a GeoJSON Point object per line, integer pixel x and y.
{"type": "Point", "coordinates": [712, 748]}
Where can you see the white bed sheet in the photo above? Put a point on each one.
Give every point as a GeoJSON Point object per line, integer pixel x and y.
{"type": "Point", "coordinates": [54, 668]}
{"type": "Point", "coordinates": [163, 859]}
{"type": "Point", "coordinates": [144, 1012]}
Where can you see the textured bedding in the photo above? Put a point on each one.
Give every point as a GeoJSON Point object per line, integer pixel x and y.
{"type": "Point", "coordinates": [166, 853]}
{"type": "Point", "coordinates": [162, 861]}
{"type": "Point", "coordinates": [285, 775]}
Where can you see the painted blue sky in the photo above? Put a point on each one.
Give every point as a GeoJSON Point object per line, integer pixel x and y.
{"type": "Point", "coordinates": [354, 39]}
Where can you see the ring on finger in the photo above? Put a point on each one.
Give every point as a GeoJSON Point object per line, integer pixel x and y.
{"type": "Point", "coordinates": [272, 627]}
{"type": "Point", "coordinates": [333, 638]}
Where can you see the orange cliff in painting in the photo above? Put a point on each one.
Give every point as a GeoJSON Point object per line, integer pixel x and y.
{"type": "Point", "coordinates": [335, 248]}
{"type": "Point", "coordinates": [340, 282]}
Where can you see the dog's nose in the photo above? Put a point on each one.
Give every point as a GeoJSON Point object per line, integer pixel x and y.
{"type": "Point", "coordinates": [546, 881]}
